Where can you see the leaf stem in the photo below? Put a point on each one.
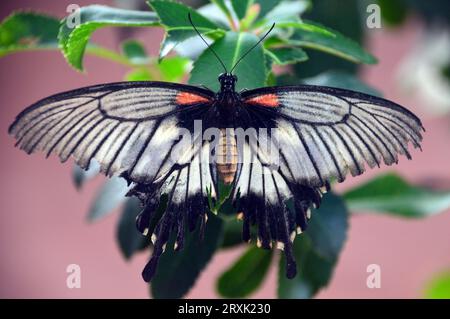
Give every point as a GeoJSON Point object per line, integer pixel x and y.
{"type": "Point", "coordinates": [233, 24]}
{"type": "Point", "coordinates": [113, 56]}
{"type": "Point", "coordinates": [108, 55]}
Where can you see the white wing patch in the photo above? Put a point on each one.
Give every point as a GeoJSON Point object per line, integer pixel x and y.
{"type": "Point", "coordinates": [314, 107]}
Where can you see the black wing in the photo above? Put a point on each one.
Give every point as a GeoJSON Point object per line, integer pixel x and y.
{"type": "Point", "coordinates": [320, 134]}
{"type": "Point", "coordinates": [133, 129]}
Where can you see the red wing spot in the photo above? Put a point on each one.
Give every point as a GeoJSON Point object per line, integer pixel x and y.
{"type": "Point", "coordinates": [267, 100]}
{"type": "Point", "coordinates": [185, 98]}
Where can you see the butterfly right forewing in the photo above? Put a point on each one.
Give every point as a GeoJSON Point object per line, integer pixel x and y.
{"type": "Point", "coordinates": [326, 133]}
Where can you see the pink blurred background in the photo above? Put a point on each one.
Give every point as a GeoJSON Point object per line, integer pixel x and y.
{"type": "Point", "coordinates": [43, 224]}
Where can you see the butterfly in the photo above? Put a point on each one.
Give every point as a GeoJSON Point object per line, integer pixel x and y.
{"type": "Point", "coordinates": [276, 148]}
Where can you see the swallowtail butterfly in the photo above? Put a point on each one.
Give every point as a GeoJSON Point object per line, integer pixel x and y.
{"type": "Point", "coordinates": [134, 129]}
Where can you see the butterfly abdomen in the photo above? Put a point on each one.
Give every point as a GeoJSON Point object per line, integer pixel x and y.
{"type": "Point", "coordinates": [227, 156]}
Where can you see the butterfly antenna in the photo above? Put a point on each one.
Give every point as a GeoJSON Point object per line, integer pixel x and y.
{"type": "Point", "coordinates": [249, 50]}
{"type": "Point", "coordinates": [209, 47]}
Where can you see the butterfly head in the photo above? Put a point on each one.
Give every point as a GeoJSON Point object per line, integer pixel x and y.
{"type": "Point", "coordinates": [227, 82]}
{"type": "Point", "coordinates": [228, 79]}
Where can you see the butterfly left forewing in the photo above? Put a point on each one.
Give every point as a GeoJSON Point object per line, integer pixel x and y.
{"type": "Point", "coordinates": [120, 125]}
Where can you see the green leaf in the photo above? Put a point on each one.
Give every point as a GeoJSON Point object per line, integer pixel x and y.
{"type": "Point", "coordinates": [314, 272]}
{"type": "Point", "coordinates": [348, 20]}
{"type": "Point", "coordinates": [240, 7]}
{"type": "Point", "coordinates": [73, 41]}
{"type": "Point", "coordinates": [446, 72]}
{"type": "Point", "coordinates": [232, 233]}
{"type": "Point", "coordinates": [307, 27]}
{"type": "Point", "coordinates": [23, 31]}
{"type": "Point", "coordinates": [135, 52]}
{"type": "Point", "coordinates": [328, 227]}
{"type": "Point", "coordinates": [284, 56]}
{"type": "Point", "coordinates": [178, 271]}
{"type": "Point", "coordinates": [222, 6]}
{"type": "Point", "coordinates": [128, 237]}
{"type": "Point", "coordinates": [338, 45]}
{"type": "Point", "coordinates": [317, 250]}
{"type": "Point", "coordinates": [185, 43]}
{"type": "Point", "coordinates": [271, 79]}
{"type": "Point", "coordinates": [174, 15]}
{"type": "Point", "coordinates": [108, 197]}
{"type": "Point", "coordinates": [391, 194]}
{"type": "Point", "coordinates": [173, 69]}
{"type": "Point", "coordinates": [193, 47]}
{"type": "Point", "coordinates": [286, 11]}
{"type": "Point", "coordinates": [250, 71]}
{"type": "Point", "coordinates": [80, 176]}
{"type": "Point", "coordinates": [268, 63]}
{"type": "Point", "coordinates": [139, 74]}
{"type": "Point", "coordinates": [247, 22]}
{"type": "Point", "coordinates": [246, 275]}
{"type": "Point", "coordinates": [223, 203]}
{"type": "Point", "coordinates": [341, 80]}
{"type": "Point", "coordinates": [439, 287]}
{"type": "Point", "coordinates": [265, 6]}
{"type": "Point", "coordinates": [174, 18]}
{"type": "Point", "coordinates": [215, 14]}
{"type": "Point", "coordinates": [393, 12]}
